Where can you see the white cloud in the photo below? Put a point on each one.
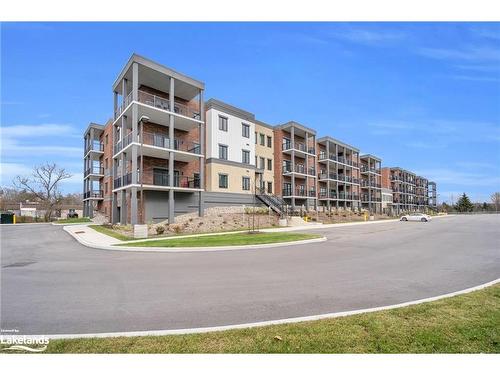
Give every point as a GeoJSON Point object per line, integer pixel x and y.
{"type": "Point", "coordinates": [32, 131]}
{"type": "Point", "coordinates": [472, 53]}
{"type": "Point", "coordinates": [369, 37]}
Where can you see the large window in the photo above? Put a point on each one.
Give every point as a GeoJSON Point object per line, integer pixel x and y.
{"type": "Point", "coordinates": [222, 152]}
{"type": "Point", "coordinates": [222, 181]}
{"type": "Point", "coordinates": [245, 156]}
{"type": "Point", "coordinates": [262, 163]}
{"type": "Point", "coordinates": [245, 130]}
{"type": "Point", "coordinates": [223, 123]}
{"type": "Point", "coordinates": [270, 187]}
{"type": "Point", "coordinates": [245, 183]}
{"type": "Point", "coordinates": [269, 142]}
{"type": "Point", "coordinates": [262, 139]}
{"type": "Point", "coordinates": [269, 164]}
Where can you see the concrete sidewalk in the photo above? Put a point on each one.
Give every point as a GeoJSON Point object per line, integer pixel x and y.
{"type": "Point", "coordinates": [91, 238]}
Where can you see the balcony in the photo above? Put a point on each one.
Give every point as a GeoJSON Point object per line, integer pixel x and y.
{"type": "Point", "coordinates": [159, 102]}
{"type": "Point", "coordinates": [158, 140]}
{"type": "Point", "coordinates": [297, 146]}
{"type": "Point", "coordinates": [365, 169]}
{"type": "Point", "coordinates": [326, 195]}
{"type": "Point", "coordinates": [94, 146]}
{"type": "Point", "coordinates": [93, 194]}
{"type": "Point", "coordinates": [366, 198]}
{"type": "Point", "coordinates": [160, 180]}
{"type": "Point", "coordinates": [323, 156]}
{"type": "Point", "coordinates": [338, 177]}
{"type": "Point", "coordinates": [299, 192]}
{"type": "Point", "coordinates": [367, 184]}
{"type": "Point", "coordinates": [94, 171]}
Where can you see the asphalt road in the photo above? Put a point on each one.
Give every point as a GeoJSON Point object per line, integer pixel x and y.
{"type": "Point", "coordinates": [50, 284]}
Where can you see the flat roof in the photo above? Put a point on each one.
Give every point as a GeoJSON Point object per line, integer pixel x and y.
{"type": "Point", "coordinates": [258, 122]}
{"type": "Point", "coordinates": [366, 156]}
{"type": "Point", "coordinates": [94, 126]}
{"type": "Point", "coordinates": [158, 67]}
{"type": "Point", "coordinates": [333, 140]}
{"type": "Point", "coordinates": [229, 109]}
{"type": "Point", "coordinates": [296, 125]}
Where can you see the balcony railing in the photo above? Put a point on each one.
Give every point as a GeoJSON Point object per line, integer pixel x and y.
{"type": "Point", "coordinates": [160, 140]}
{"type": "Point", "coordinates": [158, 179]}
{"type": "Point", "coordinates": [338, 177]}
{"type": "Point", "coordinates": [366, 198]}
{"type": "Point", "coordinates": [93, 194]}
{"type": "Point", "coordinates": [94, 170]}
{"type": "Point", "coordinates": [365, 169]}
{"type": "Point", "coordinates": [365, 183]}
{"type": "Point", "coordinates": [324, 156]}
{"type": "Point", "coordinates": [298, 146]}
{"type": "Point", "coordinates": [299, 192]}
{"type": "Point", "coordinates": [160, 103]}
{"type": "Point", "coordinates": [324, 194]}
{"type": "Point", "coordinates": [94, 146]}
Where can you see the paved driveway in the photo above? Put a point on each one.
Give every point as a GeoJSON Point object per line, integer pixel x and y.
{"type": "Point", "coordinates": [53, 285]}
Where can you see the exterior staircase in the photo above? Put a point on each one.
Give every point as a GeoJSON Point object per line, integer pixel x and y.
{"type": "Point", "coordinates": [275, 203]}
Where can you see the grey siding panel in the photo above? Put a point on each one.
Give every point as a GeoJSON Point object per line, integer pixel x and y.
{"type": "Point", "coordinates": [156, 202]}
{"type": "Point", "coordinates": [227, 199]}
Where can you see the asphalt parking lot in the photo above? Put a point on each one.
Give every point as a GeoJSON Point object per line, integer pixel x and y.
{"type": "Point", "coordinates": [50, 284]}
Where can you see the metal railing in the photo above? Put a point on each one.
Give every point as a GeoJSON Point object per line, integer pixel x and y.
{"type": "Point", "coordinates": [93, 194]}
{"type": "Point", "coordinates": [160, 103]}
{"type": "Point", "coordinates": [94, 170]}
{"type": "Point", "coordinates": [297, 146]}
{"type": "Point", "coordinates": [94, 146]}
{"type": "Point", "coordinates": [160, 140]}
{"type": "Point", "coordinates": [340, 159]}
{"type": "Point", "coordinates": [365, 169]}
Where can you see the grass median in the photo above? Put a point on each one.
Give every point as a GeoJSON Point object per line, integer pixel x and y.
{"type": "Point", "coordinates": [469, 323]}
{"type": "Point", "coordinates": [73, 220]}
{"type": "Point", "coordinates": [231, 239]}
{"type": "Point", "coordinates": [111, 233]}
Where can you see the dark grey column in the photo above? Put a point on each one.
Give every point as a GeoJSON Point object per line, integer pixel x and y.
{"type": "Point", "coordinates": [171, 202]}
{"type": "Point", "coordinates": [201, 202]}
{"type": "Point", "coordinates": [307, 171]}
{"type": "Point", "coordinates": [328, 174]}
{"type": "Point", "coordinates": [292, 136]}
{"type": "Point", "coordinates": [135, 120]}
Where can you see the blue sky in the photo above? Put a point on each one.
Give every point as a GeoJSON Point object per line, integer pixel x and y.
{"type": "Point", "coordinates": [423, 96]}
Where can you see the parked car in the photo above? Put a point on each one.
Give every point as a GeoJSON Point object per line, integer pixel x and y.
{"type": "Point", "coordinates": [416, 216]}
{"type": "Point", "coordinates": [72, 214]}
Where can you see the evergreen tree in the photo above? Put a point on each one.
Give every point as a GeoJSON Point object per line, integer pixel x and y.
{"type": "Point", "coordinates": [464, 204]}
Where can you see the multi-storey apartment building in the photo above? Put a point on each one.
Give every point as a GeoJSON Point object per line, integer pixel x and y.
{"type": "Point", "coordinates": [338, 174]}
{"type": "Point", "coordinates": [432, 195]}
{"type": "Point", "coordinates": [295, 165]}
{"type": "Point", "coordinates": [166, 152]}
{"type": "Point", "coordinates": [93, 169]}
{"type": "Point", "coordinates": [264, 157]}
{"type": "Point", "coordinates": [371, 183]}
{"type": "Point", "coordinates": [403, 185]}
{"type": "Point", "coordinates": [159, 143]}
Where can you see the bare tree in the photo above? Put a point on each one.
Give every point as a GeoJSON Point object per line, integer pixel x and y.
{"type": "Point", "coordinates": [495, 199]}
{"type": "Point", "coordinates": [44, 185]}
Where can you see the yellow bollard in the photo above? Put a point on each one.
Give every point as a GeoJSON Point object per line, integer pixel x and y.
{"type": "Point", "coordinates": [14, 219]}
{"type": "Point", "coordinates": [366, 216]}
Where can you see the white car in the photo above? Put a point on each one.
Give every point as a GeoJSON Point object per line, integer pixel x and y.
{"type": "Point", "coordinates": [416, 216]}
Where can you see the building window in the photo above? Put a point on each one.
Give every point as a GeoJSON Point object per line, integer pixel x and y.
{"type": "Point", "coordinates": [106, 188]}
{"type": "Point", "coordinates": [245, 130]}
{"type": "Point", "coordinates": [269, 164]}
{"type": "Point", "coordinates": [269, 142]}
{"type": "Point", "coordinates": [245, 156]}
{"type": "Point", "coordinates": [262, 139]}
{"type": "Point", "coordinates": [255, 137]}
{"type": "Point", "coordinates": [245, 183]}
{"type": "Point", "coordinates": [106, 139]}
{"type": "Point", "coordinates": [262, 163]}
{"type": "Point", "coordinates": [222, 152]}
{"type": "Point", "coordinates": [222, 181]}
{"type": "Point", "coordinates": [106, 163]}
{"type": "Point", "coordinates": [270, 187]}
{"type": "Point", "coordinates": [223, 123]}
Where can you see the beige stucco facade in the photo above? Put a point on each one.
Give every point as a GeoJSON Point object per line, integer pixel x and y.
{"type": "Point", "coordinates": [264, 151]}
{"type": "Point", "coordinates": [234, 174]}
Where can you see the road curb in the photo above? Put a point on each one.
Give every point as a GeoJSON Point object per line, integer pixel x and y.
{"type": "Point", "coordinates": [189, 249]}
{"type": "Point", "coordinates": [309, 318]}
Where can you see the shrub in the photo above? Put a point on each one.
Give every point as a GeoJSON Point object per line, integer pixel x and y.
{"type": "Point", "coordinates": [176, 228]}
{"type": "Point", "coordinates": [160, 229]}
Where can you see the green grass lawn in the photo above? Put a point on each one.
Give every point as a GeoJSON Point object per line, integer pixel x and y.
{"type": "Point", "coordinates": [231, 239]}
{"type": "Point", "coordinates": [111, 232]}
{"type": "Point", "coordinates": [74, 220]}
{"type": "Point", "coordinates": [469, 323]}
